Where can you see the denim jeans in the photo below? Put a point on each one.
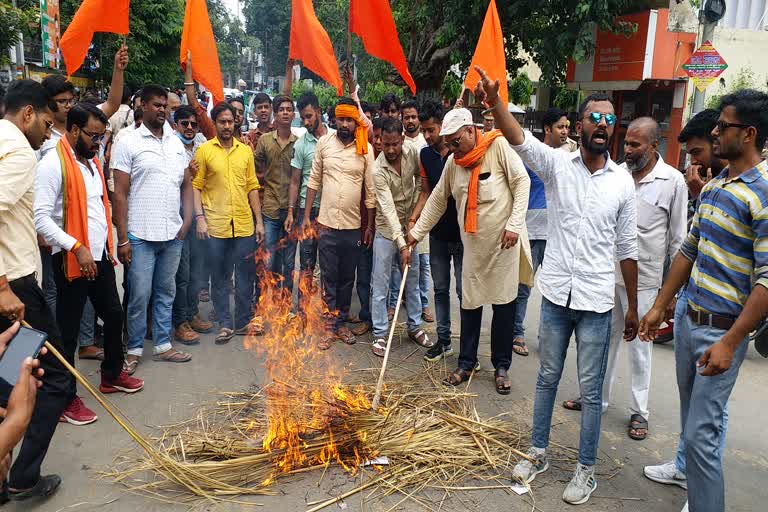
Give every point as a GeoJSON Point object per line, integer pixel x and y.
{"type": "Point", "coordinates": [384, 252]}
{"type": "Point", "coordinates": [281, 249]}
{"type": "Point", "coordinates": [49, 283]}
{"type": "Point", "coordinates": [524, 291]}
{"type": "Point", "coordinates": [227, 253]}
{"type": "Point", "coordinates": [87, 326]}
{"type": "Point", "coordinates": [703, 403]}
{"type": "Point", "coordinates": [307, 251]}
{"type": "Point", "coordinates": [440, 255]}
{"type": "Point", "coordinates": [363, 278]}
{"type": "Point", "coordinates": [424, 273]}
{"type": "Point", "coordinates": [186, 301]}
{"type": "Point", "coordinates": [501, 342]}
{"type": "Point", "coordinates": [151, 275]}
{"type": "Point", "coordinates": [593, 331]}
{"type": "Point", "coordinates": [394, 282]}
{"type": "Point", "coordinates": [338, 253]}
{"type": "Point", "coordinates": [199, 265]}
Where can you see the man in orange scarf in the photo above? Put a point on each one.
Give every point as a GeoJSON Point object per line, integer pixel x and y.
{"type": "Point", "coordinates": [72, 214]}
{"type": "Point", "coordinates": [490, 186]}
{"type": "Point", "coordinates": [342, 167]}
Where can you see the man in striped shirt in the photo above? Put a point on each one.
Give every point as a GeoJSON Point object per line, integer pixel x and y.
{"type": "Point", "coordinates": [724, 261]}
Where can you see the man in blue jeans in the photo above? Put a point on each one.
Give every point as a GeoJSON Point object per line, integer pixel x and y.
{"type": "Point", "coordinates": [273, 167]}
{"type": "Point", "coordinates": [445, 238]}
{"type": "Point", "coordinates": [592, 219]}
{"type": "Point", "coordinates": [555, 125]}
{"type": "Point", "coordinates": [724, 261]}
{"type": "Point", "coordinates": [151, 182]}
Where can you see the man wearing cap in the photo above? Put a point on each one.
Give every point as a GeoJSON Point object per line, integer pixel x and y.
{"type": "Point", "coordinates": [490, 186]}
{"type": "Point", "coordinates": [342, 164]}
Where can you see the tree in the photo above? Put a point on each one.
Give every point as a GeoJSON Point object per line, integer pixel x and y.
{"type": "Point", "coordinates": [14, 20]}
{"type": "Point", "coordinates": [520, 90]}
{"type": "Point", "coordinates": [744, 79]}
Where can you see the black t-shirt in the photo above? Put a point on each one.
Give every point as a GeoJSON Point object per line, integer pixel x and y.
{"type": "Point", "coordinates": [447, 228]}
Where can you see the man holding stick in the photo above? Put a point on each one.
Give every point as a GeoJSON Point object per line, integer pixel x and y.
{"type": "Point", "coordinates": [592, 221]}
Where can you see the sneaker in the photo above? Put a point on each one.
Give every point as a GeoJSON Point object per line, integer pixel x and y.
{"type": "Point", "coordinates": [581, 486]}
{"type": "Point", "coordinates": [123, 382]}
{"type": "Point", "coordinates": [438, 352]}
{"type": "Point", "coordinates": [525, 471]}
{"type": "Point", "coordinates": [77, 413]}
{"type": "Point", "coordinates": [666, 473]}
{"type": "Point", "coordinates": [685, 507]}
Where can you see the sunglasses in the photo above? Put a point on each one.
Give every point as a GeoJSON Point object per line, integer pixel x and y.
{"type": "Point", "coordinates": [189, 124]}
{"type": "Point", "coordinates": [455, 143]}
{"type": "Point", "coordinates": [596, 117]}
{"type": "Point", "coordinates": [95, 137]}
{"type": "Point", "coordinates": [724, 125]}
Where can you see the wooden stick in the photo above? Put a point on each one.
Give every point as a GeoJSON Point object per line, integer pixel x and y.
{"type": "Point", "coordinates": [380, 384]}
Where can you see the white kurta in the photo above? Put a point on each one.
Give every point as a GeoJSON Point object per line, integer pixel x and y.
{"type": "Point", "coordinates": [490, 274]}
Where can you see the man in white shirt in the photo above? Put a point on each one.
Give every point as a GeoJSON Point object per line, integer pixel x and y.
{"type": "Point", "coordinates": [592, 219]}
{"type": "Point", "coordinates": [81, 240]}
{"type": "Point", "coordinates": [25, 127]}
{"type": "Point", "coordinates": [150, 183]}
{"type": "Point", "coordinates": [661, 196]}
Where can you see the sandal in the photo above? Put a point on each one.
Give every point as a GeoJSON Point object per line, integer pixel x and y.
{"type": "Point", "coordinates": [457, 377]}
{"type": "Point", "coordinates": [326, 341]}
{"type": "Point", "coordinates": [91, 352]}
{"type": "Point", "coordinates": [361, 328]}
{"type": "Point", "coordinates": [130, 365]}
{"type": "Point", "coordinates": [426, 315]}
{"type": "Point", "coordinates": [420, 337]}
{"type": "Point", "coordinates": [172, 356]}
{"type": "Point", "coordinates": [519, 347]}
{"type": "Point", "coordinates": [503, 384]}
{"type": "Point", "coordinates": [346, 336]}
{"type": "Point", "coordinates": [573, 405]}
{"type": "Point", "coordinates": [379, 347]}
{"type": "Point", "coordinates": [224, 336]}
{"type": "Point", "coordinates": [637, 424]}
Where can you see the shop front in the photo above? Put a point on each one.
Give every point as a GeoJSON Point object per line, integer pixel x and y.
{"type": "Point", "coordinates": [643, 75]}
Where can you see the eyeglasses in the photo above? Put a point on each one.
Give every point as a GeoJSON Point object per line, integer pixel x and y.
{"type": "Point", "coordinates": [189, 124]}
{"type": "Point", "coordinates": [65, 102]}
{"type": "Point", "coordinates": [724, 125]}
{"type": "Point", "coordinates": [455, 143]}
{"type": "Point", "coordinates": [596, 117]}
{"type": "Point", "coordinates": [95, 137]}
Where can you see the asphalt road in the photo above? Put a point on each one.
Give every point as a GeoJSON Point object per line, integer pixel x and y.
{"type": "Point", "coordinates": [175, 391]}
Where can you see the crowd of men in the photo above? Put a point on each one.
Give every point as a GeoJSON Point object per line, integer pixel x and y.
{"type": "Point", "coordinates": [379, 199]}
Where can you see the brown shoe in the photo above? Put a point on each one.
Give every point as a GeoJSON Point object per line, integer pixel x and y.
{"type": "Point", "coordinates": [426, 315]}
{"type": "Point", "coordinates": [186, 335]}
{"type": "Point", "coordinates": [390, 314]}
{"type": "Point", "coordinates": [361, 328]}
{"type": "Point", "coordinates": [199, 325]}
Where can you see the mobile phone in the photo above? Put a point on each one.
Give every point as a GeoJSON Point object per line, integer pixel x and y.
{"type": "Point", "coordinates": [26, 343]}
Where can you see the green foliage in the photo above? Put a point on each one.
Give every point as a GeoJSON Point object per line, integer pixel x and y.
{"type": "Point", "coordinates": [566, 99]}
{"type": "Point", "coordinates": [744, 79]}
{"type": "Point", "coordinates": [14, 20]}
{"type": "Point", "coordinates": [520, 90]}
{"type": "Point", "coordinates": [326, 94]}
{"type": "Point", "coordinates": [451, 87]}
{"type": "Point", "coordinates": [374, 92]}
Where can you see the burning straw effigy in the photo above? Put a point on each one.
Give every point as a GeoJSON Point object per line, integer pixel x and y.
{"type": "Point", "coordinates": [305, 417]}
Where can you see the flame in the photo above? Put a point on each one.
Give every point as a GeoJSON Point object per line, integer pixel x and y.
{"type": "Point", "coordinates": [306, 400]}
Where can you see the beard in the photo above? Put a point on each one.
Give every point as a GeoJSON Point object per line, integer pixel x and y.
{"type": "Point", "coordinates": [597, 148]}
{"type": "Point", "coordinates": [639, 163]}
{"type": "Point", "coordinates": [343, 133]}
{"type": "Point", "coordinates": [84, 150]}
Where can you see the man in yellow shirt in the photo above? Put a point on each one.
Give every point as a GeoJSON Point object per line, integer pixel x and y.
{"type": "Point", "coordinates": [226, 203]}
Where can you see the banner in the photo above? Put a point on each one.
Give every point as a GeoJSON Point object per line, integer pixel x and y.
{"type": "Point", "coordinates": [49, 21]}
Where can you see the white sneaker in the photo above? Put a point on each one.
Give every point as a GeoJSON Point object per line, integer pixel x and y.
{"type": "Point", "coordinates": [581, 486]}
{"type": "Point", "coordinates": [685, 507]}
{"type": "Point", "coordinates": [666, 473]}
{"type": "Point", "coordinates": [525, 471]}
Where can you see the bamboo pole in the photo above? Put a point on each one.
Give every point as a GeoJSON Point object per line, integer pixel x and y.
{"type": "Point", "coordinates": [380, 383]}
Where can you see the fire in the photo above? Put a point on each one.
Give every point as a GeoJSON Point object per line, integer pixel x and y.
{"type": "Point", "coordinates": [307, 404]}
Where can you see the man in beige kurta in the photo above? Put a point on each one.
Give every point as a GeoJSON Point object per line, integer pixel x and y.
{"type": "Point", "coordinates": [497, 255]}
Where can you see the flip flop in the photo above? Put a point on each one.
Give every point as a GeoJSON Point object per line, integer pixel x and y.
{"type": "Point", "coordinates": [174, 357]}
{"type": "Point", "coordinates": [637, 422]}
{"type": "Point", "coordinates": [97, 355]}
{"type": "Point", "coordinates": [130, 366]}
{"type": "Point", "coordinates": [503, 384]}
{"type": "Point", "coordinates": [326, 341]}
{"type": "Point", "coordinates": [346, 336]}
{"type": "Point", "coordinates": [379, 347]}
{"type": "Point", "coordinates": [573, 405]}
{"type": "Point", "coordinates": [519, 347]}
{"type": "Point", "coordinates": [224, 336]}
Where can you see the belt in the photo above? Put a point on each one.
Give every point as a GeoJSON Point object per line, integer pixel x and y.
{"type": "Point", "coordinates": [703, 318]}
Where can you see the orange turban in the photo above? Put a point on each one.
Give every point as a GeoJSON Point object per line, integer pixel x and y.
{"type": "Point", "coordinates": [361, 132]}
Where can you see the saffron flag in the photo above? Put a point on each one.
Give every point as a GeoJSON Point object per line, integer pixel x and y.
{"type": "Point", "coordinates": [372, 21]}
{"type": "Point", "coordinates": [311, 45]}
{"type": "Point", "coordinates": [489, 54]}
{"type": "Point", "coordinates": [197, 37]}
{"type": "Point", "coordinates": [90, 18]}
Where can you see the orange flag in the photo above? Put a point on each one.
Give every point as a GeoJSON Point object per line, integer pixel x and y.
{"type": "Point", "coordinates": [372, 21]}
{"type": "Point", "coordinates": [197, 36]}
{"type": "Point", "coordinates": [489, 54]}
{"type": "Point", "coordinates": [90, 18]}
{"type": "Point", "coordinates": [311, 45]}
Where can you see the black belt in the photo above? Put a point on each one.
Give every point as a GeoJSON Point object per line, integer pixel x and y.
{"type": "Point", "coordinates": [703, 318]}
